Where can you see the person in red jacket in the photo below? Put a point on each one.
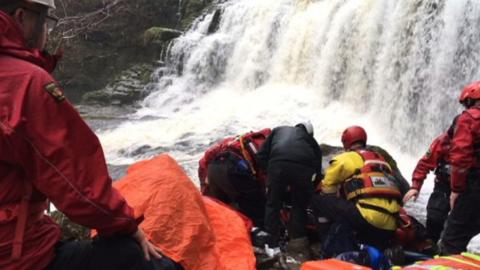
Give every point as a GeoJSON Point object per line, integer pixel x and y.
{"type": "Point", "coordinates": [47, 152]}
{"type": "Point", "coordinates": [463, 223]}
{"type": "Point", "coordinates": [438, 204]}
{"type": "Point", "coordinates": [229, 171]}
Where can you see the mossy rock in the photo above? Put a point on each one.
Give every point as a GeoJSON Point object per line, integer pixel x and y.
{"type": "Point", "coordinates": [192, 9]}
{"type": "Point", "coordinates": [159, 35]}
{"type": "Point", "coordinates": [136, 33]}
{"type": "Point", "coordinates": [125, 89]}
{"type": "Point", "coordinates": [70, 230]}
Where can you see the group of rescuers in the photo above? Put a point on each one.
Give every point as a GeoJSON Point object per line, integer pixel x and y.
{"type": "Point", "coordinates": [49, 154]}
{"type": "Point", "coordinates": [362, 186]}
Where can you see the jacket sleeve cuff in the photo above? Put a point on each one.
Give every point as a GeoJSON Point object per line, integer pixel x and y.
{"type": "Point", "coordinates": [457, 189]}
{"type": "Point", "coordinates": [458, 181]}
{"type": "Point", "coordinates": [328, 189]}
{"type": "Point", "coordinates": [416, 184]}
{"type": "Point", "coordinates": [126, 230]}
{"type": "Point", "coordinates": [134, 229]}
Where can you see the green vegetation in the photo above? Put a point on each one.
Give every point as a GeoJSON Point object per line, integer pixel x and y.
{"type": "Point", "coordinates": [103, 39]}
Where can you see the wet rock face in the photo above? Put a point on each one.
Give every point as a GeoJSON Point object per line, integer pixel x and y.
{"type": "Point", "coordinates": [191, 9]}
{"type": "Point", "coordinates": [213, 27]}
{"type": "Point", "coordinates": [329, 152]}
{"type": "Point", "coordinates": [133, 34]}
{"type": "Point", "coordinates": [159, 35]}
{"type": "Point", "coordinates": [125, 88]}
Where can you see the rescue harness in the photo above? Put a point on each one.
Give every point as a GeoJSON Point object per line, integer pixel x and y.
{"type": "Point", "coordinates": [247, 146]}
{"type": "Point", "coordinates": [373, 180]}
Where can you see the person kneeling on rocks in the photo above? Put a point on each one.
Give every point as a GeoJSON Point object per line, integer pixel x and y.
{"type": "Point", "coordinates": [229, 172]}
{"type": "Point", "coordinates": [359, 190]}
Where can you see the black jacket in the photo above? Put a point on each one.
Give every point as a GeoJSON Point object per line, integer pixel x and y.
{"type": "Point", "coordinates": [291, 144]}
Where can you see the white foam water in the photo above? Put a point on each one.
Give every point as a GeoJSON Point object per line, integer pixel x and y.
{"type": "Point", "coordinates": [394, 67]}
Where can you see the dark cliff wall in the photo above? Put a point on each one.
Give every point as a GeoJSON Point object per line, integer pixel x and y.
{"type": "Point", "coordinates": [103, 38]}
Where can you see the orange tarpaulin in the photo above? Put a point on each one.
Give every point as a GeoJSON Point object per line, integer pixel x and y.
{"type": "Point", "coordinates": [331, 264]}
{"type": "Point", "coordinates": [196, 232]}
{"type": "Point", "coordinates": [235, 249]}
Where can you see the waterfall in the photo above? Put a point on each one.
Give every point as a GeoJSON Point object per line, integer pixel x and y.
{"type": "Point", "coordinates": [396, 67]}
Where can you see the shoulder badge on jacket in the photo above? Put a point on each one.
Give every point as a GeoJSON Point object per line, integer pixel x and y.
{"type": "Point", "coordinates": [55, 91]}
{"type": "Point", "coordinates": [428, 153]}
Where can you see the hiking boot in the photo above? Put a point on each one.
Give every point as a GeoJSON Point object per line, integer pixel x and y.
{"type": "Point", "coordinates": [272, 251]}
{"type": "Point", "coordinates": [264, 243]}
{"type": "Point", "coordinates": [316, 251]}
{"type": "Point", "coordinates": [267, 257]}
{"type": "Point", "coordinates": [260, 238]}
{"type": "Point", "coordinates": [298, 252]}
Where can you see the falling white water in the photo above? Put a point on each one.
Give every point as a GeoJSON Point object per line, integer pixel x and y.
{"type": "Point", "coordinates": [395, 67]}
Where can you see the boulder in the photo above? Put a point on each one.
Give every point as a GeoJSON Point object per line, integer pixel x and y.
{"type": "Point", "coordinates": [128, 87]}
{"type": "Point", "coordinates": [159, 35]}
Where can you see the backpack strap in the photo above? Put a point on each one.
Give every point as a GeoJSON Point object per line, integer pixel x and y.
{"type": "Point", "coordinates": [379, 209]}
{"type": "Point", "coordinates": [246, 155]}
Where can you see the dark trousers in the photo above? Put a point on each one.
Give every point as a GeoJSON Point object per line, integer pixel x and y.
{"type": "Point", "coordinates": [463, 223]}
{"type": "Point", "coordinates": [231, 185]}
{"type": "Point", "coordinates": [297, 177]}
{"type": "Point", "coordinates": [339, 210]}
{"type": "Point", "coordinates": [437, 209]}
{"type": "Point", "coordinates": [116, 253]}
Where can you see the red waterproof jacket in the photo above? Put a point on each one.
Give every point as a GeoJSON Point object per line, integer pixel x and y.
{"type": "Point", "coordinates": [47, 148]}
{"type": "Point", "coordinates": [437, 155]}
{"type": "Point", "coordinates": [208, 157]}
{"type": "Point", "coordinates": [465, 151]}
{"type": "Point", "coordinates": [245, 146]}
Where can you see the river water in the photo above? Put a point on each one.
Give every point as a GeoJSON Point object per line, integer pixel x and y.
{"type": "Point", "coordinates": [395, 67]}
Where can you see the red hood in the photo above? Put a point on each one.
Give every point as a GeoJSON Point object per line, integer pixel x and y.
{"type": "Point", "coordinates": [12, 43]}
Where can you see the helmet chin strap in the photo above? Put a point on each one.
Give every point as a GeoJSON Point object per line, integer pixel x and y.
{"type": "Point", "coordinates": [39, 28]}
{"type": "Point", "coordinates": [357, 146]}
{"type": "Point", "coordinates": [469, 103]}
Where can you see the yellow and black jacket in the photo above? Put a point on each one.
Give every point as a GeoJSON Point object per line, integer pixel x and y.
{"type": "Point", "coordinates": [348, 165]}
